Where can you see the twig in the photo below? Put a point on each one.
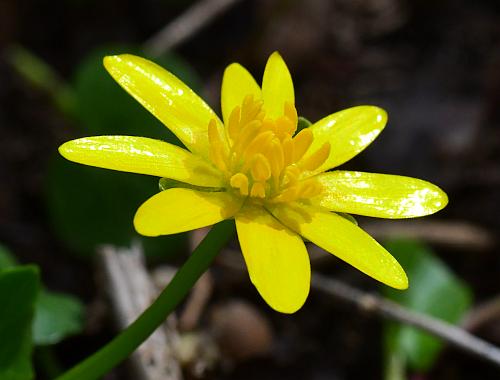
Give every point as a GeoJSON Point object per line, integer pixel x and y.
{"type": "Point", "coordinates": [196, 302]}
{"type": "Point", "coordinates": [456, 234]}
{"type": "Point", "coordinates": [131, 292]}
{"type": "Point", "coordinates": [388, 309]}
{"type": "Point", "coordinates": [483, 314]}
{"type": "Point", "coordinates": [186, 25]}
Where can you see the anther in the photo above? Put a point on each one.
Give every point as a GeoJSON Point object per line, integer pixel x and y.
{"type": "Point", "coordinates": [233, 127]}
{"type": "Point", "coordinates": [301, 143]}
{"type": "Point", "coordinates": [247, 134]}
{"type": "Point", "coordinates": [316, 159]}
{"type": "Point", "coordinates": [276, 158]}
{"type": "Point", "coordinates": [258, 190]}
{"type": "Point", "coordinates": [309, 189]}
{"type": "Point", "coordinates": [217, 151]}
{"type": "Point", "coordinates": [291, 175]}
{"type": "Point", "coordinates": [291, 113]}
{"type": "Point", "coordinates": [287, 144]}
{"type": "Point", "coordinates": [258, 144]}
{"type": "Point", "coordinates": [240, 181]}
{"type": "Point", "coordinates": [288, 195]}
{"type": "Point", "coordinates": [261, 171]}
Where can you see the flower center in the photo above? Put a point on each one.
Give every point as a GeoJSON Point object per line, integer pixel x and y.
{"type": "Point", "coordinates": [261, 158]}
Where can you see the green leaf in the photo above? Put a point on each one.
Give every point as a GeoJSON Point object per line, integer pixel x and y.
{"type": "Point", "coordinates": [302, 123]}
{"type": "Point", "coordinates": [7, 260]}
{"type": "Point", "coordinates": [168, 183]}
{"type": "Point", "coordinates": [18, 292]}
{"type": "Point", "coordinates": [349, 217]}
{"type": "Point", "coordinates": [57, 316]}
{"type": "Point", "coordinates": [434, 290]}
{"type": "Point", "coordinates": [42, 76]}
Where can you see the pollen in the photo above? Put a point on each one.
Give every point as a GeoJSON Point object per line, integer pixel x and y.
{"type": "Point", "coordinates": [263, 158]}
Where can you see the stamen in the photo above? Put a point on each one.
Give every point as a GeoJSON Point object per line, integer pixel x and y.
{"type": "Point", "coordinates": [261, 158]}
{"type": "Point", "coordinates": [269, 125]}
{"type": "Point", "coordinates": [261, 170]}
{"type": "Point", "coordinates": [258, 144]}
{"type": "Point", "coordinates": [287, 144]}
{"type": "Point", "coordinates": [316, 159]}
{"type": "Point", "coordinates": [240, 181]}
{"type": "Point", "coordinates": [258, 190]}
{"type": "Point", "coordinates": [285, 126]}
{"type": "Point", "coordinates": [233, 126]}
{"type": "Point", "coordinates": [291, 114]}
{"type": "Point", "coordinates": [276, 157]}
{"type": "Point", "coordinates": [309, 189]}
{"type": "Point", "coordinates": [291, 175]}
{"type": "Point", "coordinates": [288, 195]}
{"type": "Point", "coordinates": [250, 109]}
{"type": "Point", "coordinates": [301, 143]}
{"type": "Point", "coordinates": [216, 146]}
{"type": "Point", "coordinates": [246, 135]}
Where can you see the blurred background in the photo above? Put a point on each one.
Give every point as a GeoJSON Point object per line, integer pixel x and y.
{"type": "Point", "coordinates": [433, 65]}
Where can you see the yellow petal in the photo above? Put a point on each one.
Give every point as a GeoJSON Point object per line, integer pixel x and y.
{"type": "Point", "coordinates": [178, 210]}
{"type": "Point", "coordinates": [348, 132]}
{"type": "Point", "coordinates": [144, 156]}
{"type": "Point", "coordinates": [237, 83]}
{"type": "Point", "coordinates": [277, 86]}
{"type": "Point", "coordinates": [379, 195]}
{"type": "Point", "coordinates": [166, 97]}
{"type": "Point", "coordinates": [276, 259]}
{"type": "Point", "coordinates": [344, 239]}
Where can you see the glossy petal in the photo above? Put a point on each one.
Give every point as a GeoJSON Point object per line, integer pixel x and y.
{"type": "Point", "coordinates": [344, 239]}
{"type": "Point", "coordinates": [276, 259]}
{"type": "Point", "coordinates": [166, 97]}
{"type": "Point", "coordinates": [179, 210]}
{"type": "Point", "coordinates": [348, 132]}
{"type": "Point", "coordinates": [144, 156]}
{"type": "Point", "coordinates": [379, 195]}
{"type": "Point", "coordinates": [277, 86]}
{"type": "Point", "coordinates": [237, 83]}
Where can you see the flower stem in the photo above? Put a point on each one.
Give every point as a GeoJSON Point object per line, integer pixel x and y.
{"type": "Point", "coordinates": [126, 342]}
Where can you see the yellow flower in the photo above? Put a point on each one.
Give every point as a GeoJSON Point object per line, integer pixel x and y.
{"type": "Point", "coordinates": [253, 167]}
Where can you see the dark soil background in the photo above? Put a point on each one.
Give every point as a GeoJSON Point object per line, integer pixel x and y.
{"type": "Point", "coordinates": [433, 65]}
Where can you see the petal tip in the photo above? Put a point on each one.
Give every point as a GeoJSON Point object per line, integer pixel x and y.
{"type": "Point", "coordinates": [442, 200]}
{"type": "Point", "coordinates": [436, 200]}
{"type": "Point", "coordinates": [382, 115]}
{"type": "Point", "coordinates": [275, 55]}
{"type": "Point", "coordinates": [233, 66]}
{"type": "Point", "coordinates": [379, 114]}
{"type": "Point", "coordinates": [142, 226]}
{"type": "Point", "coordinates": [110, 60]}
{"type": "Point", "coordinates": [66, 149]}
{"type": "Point", "coordinates": [288, 308]}
{"type": "Point", "coordinates": [400, 280]}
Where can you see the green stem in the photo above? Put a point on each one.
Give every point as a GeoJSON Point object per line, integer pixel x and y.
{"type": "Point", "coordinates": [125, 343]}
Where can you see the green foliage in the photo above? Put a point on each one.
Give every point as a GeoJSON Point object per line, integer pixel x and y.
{"type": "Point", "coordinates": [303, 123]}
{"type": "Point", "coordinates": [41, 76]}
{"type": "Point", "coordinates": [6, 258]}
{"type": "Point", "coordinates": [18, 292]}
{"type": "Point", "coordinates": [57, 316]}
{"type": "Point", "coordinates": [434, 290]}
{"type": "Point", "coordinates": [90, 206]}
{"type": "Point", "coordinates": [168, 183]}
{"type": "Point", "coordinates": [349, 217]}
